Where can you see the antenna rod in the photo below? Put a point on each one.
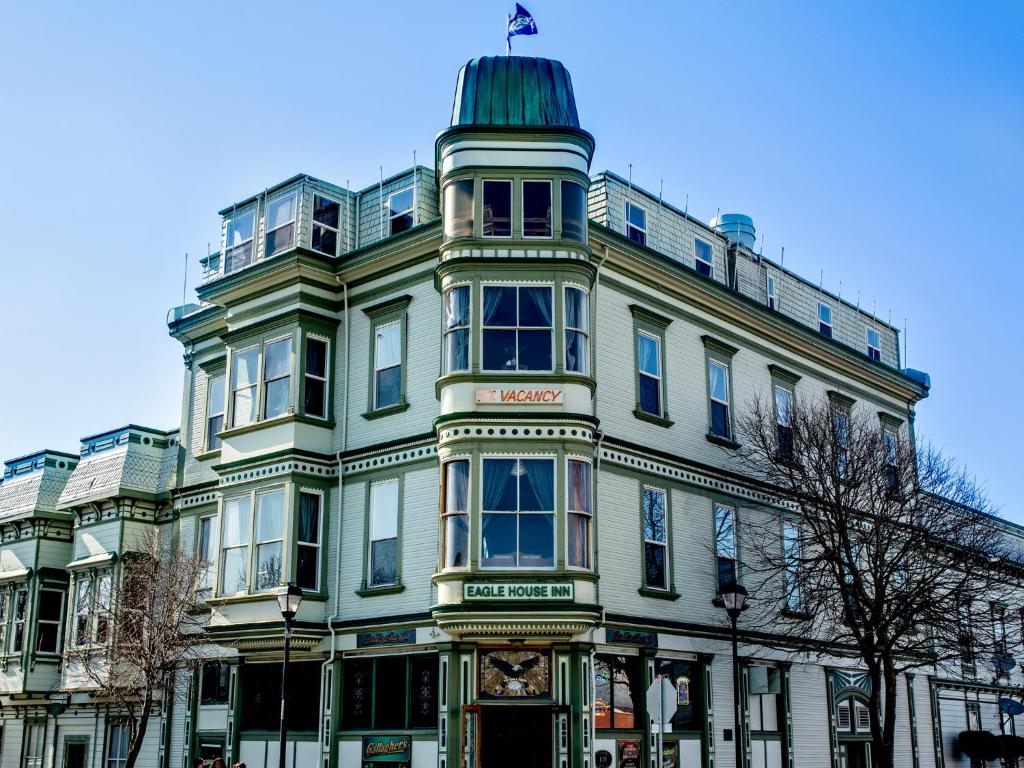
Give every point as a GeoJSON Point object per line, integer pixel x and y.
{"type": "Point", "coordinates": [184, 285]}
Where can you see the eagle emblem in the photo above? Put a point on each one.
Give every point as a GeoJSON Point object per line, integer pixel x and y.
{"type": "Point", "coordinates": [514, 673]}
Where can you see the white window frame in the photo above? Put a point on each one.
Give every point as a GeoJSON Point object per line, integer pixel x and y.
{"type": "Point", "coordinates": [392, 215]}
{"type": "Point", "coordinates": [82, 613]}
{"type": "Point", "coordinates": [569, 511]}
{"type": "Point", "coordinates": [517, 327]}
{"type": "Point", "coordinates": [727, 402]}
{"type": "Point", "coordinates": [464, 513]}
{"type": "Point", "coordinates": [770, 292]}
{"type": "Point", "coordinates": [663, 544]}
{"type": "Point", "coordinates": [251, 210]}
{"type": "Point", "coordinates": [123, 740]}
{"type": "Point", "coordinates": [553, 458]}
{"type": "Point", "coordinates": [376, 367]}
{"type": "Point", "coordinates": [874, 348]}
{"type": "Point", "coordinates": [264, 381]}
{"type": "Point", "coordinates": [628, 225]}
{"type": "Point", "coordinates": [34, 739]}
{"type": "Point", "coordinates": [697, 260]}
{"type": "Point", "coordinates": [5, 615]}
{"type": "Point", "coordinates": [511, 203]}
{"type": "Point", "coordinates": [258, 543]}
{"type": "Point", "coordinates": [319, 534]}
{"type": "Point", "coordinates": [247, 545]}
{"type": "Point", "coordinates": [58, 624]}
{"type": "Point", "coordinates": [211, 383]}
{"type": "Point", "coordinates": [231, 390]}
{"type": "Point", "coordinates": [522, 209]}
{"type": "Point", "coordinates": [293, 193]}
{"type": "Point", "coordinates": [102, 614]}
{"type": "Point", "coordinates": [468, 328]}
{"type": "Point", "coordinates": [209, 577]}
{"type": "Point", "coordinates": [313, 224]}
{"type": "Point", "coordinates": [735, 554]}
{"type": "Point", "coordinates": [306, 375]}
{"type": "Point", "coordinates": [20, 589]}
{"type": "Point", "coordinates": [370, 540]}
{"type": "Point", "coordinates": [566, 287]}
{"type": "Point", "coordinates": [821, 320]}
{"type": "Point", "coordinates": [659, 377]}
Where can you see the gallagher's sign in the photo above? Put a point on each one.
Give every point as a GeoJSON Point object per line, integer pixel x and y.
{"type": "Point", "coordinates": [387, 749]}
{"type": "Point", "coordinates": [499, 590]}
{"type": "Point", "coordinates": [519, 396]}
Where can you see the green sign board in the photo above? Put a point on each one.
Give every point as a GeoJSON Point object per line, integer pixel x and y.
{"type": "Point", "coordinates": [387, 749]}
{"type": "Point", "coordinates": [516, 590]}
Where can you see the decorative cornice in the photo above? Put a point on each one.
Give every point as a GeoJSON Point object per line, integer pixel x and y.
{"type": "Point", "coordinates": [719, 346]}
{"type": "Point", "coordinates": [649, 316]}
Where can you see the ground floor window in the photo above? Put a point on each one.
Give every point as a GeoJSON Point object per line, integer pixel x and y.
{"type": "Point", "coordinates": [117, 745]}
{"type": "Point", "coordinates": [685, 675]}
{"type": "Point", "coordinates": [389, 693]}
{"type": "Point", "coordinates": [618, 691]}
{"type": "Point", "coordinates": [261, 692]}
{"type": "Point", "coordinates": [35, 737]}
{"type": "Point", "coordinates": [214, 689]}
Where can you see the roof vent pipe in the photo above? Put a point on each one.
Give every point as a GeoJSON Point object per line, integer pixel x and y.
{"type": "Point", "coordinates": [737, 228]}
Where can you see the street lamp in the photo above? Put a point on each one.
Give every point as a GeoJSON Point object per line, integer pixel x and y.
{"type": "Point", "coordinates": [289, 597]}
{"type": "Point", "coordinates": [735, 598]}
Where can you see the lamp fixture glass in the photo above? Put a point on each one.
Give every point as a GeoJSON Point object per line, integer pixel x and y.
{"type": "Point", "coordinates": [735, 598]}
{"type": "Point", "coordinates": [289, 597]}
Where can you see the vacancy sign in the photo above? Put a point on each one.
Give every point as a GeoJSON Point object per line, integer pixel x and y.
{"type": "Point", "coordinates": [519, 396]}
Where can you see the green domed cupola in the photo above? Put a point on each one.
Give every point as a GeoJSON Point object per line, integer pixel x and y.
{"type": "Point", "coordinates": [514, 91]}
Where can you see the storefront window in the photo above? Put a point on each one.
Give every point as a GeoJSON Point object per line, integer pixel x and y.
{"type": "Point", "coordinates": [261, 692]}
{"type": "Point", "coordinates": [685, 676]}
{"type": "Point", "coordinates": [618, 690]}
{"type": "Point", "coordinates": [389, 693]}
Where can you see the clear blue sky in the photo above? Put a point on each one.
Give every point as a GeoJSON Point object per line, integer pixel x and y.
{"type": "Point", "coordinates": [882, 143]}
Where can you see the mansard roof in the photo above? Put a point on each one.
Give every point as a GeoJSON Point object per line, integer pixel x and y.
{"type": "Point", "coordinates": [32, 484]}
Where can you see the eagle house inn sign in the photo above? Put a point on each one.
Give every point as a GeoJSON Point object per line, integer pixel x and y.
{"type": "Point", "coordinates": [496, 590]}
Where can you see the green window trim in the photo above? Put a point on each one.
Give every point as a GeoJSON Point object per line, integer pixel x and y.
{"type": "Point", "coordinates": [783, 375]}
{"type": "Point", "coordinates": [213, 373]}
{"type": "Point", "coordinates": [365, 588]}
{"type": "Point", "coordinates": [716, 504]}
{"type": "Point", "coordinates": [720, 353]}
{"type": "Point", "coordinates": [393, 310]}
{"type": "Point", "coordinates": [649, 323]}
{"type": "Point", "coordinates": [668, 592]}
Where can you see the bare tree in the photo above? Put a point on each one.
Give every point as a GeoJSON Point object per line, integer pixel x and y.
{"type": "Point", "coordinates": [887, 553]}
{"type": "Point", "coordinates": [155, 622]}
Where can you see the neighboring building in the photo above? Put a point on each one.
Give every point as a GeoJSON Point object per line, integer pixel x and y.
{"type": "Point", "coordinates": [484, 415]}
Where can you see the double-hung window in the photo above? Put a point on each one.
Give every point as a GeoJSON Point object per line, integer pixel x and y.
{"type": "Point", "coordinates": [234, 538]}
{"type": "Point", "coordinates": [636, 223]}
{"type": "Point", "coordinates": [51, 609]}
{"type": "Point", "coordinates": [458, 209]}
{"type": "Point", "coordinates": [655, 521]}
{"type": "Point", "coordinates": [456, 329]}
{"type": "Point", "coordinates": [83, 596]}
{"type": "Point", "coordinates": [244, 378]}
{"type": "Point", "coordinates": [35, 742]}
{"type": "Point", "coordinates": [725, 546]}
{"type": "Point", "coordinates": [280, 224]}
{"type": "Point", "coordinates": [783, 421]}
{"type": "Point", "coordinates": [205, 553]}
{"type": "Point", "coordinates": [307, 566]}
{"type": "Point", "coordinates": [214, 411]}
{"type": "Point", "coordinates": [5, 615]}
{"type": "Point", "coordinates": [456, 514]}
{"type": "Point", "coordinates": [998, 627]}
{"type": "Point", "coordinates": [387, 365]}
{"type": "Point", "coordinates": [574, 212]}
{"type": "Point", "coordinates": [269, 539]}
{"type": "Point", "coordinates": [382, 568]}
{"type": "Point", "coordinates": [792, 555]}
{"type": "Point", "coordinates": [577, 330]}
{"type": "Point", "coordinates": [213, 690]}
{"type": "Point", "coordinates": [703, 257]}
{"type": "Point", "coordinates": [20, 615]}
{"type": "Point", "coordinates": [890, 448]}
{"type": "Point", "coordinates": [824, 319]}
{"type": "Point", "coordinates": [648, 354]}
{"type": "Point", "coordinates": [326, 218]}
{"type": "Point", "coordinates": [773, 300]}
{"type": "Point", "coordinates": [517, 328]}
{"type": "Point", "coordinates": [400, 211]}
{"type": "Point", "coordinates": [518, 522]}
{"type": "Point", "coordinates": [579, 513]}
{"type": "Point", "coordinates": [277, 377]}
{"type": "Point", "coordinates": [238, 240]}
{"type": "Point", "coordinates": [314, 400]}
{"type": "Point", "coordinates": [497, 210]}
{"type": "Point", "coordinates": [117, 745]}
{"type": "Point", "coordinates": [536, 209]}
{"type": "Point", "coordinates": [104, 606]}
{"type": "Point", "coordinates": [841, 436]}
{"type": "Point", "coordinates": [718, 396]}
{"type": "Point", "coordinates": [874, 344]}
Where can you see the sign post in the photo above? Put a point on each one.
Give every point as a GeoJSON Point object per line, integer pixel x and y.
{"type": "Point", "coordinates": [661, 706]}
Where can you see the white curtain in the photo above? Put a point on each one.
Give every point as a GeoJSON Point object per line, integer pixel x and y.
{"type": "Point", "coordinates": [389, 346]}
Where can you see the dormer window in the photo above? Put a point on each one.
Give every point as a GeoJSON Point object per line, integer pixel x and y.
{"type": "Point", "coordinates": [874, 345]}
{"type": "Point", "coordinates": [536, 209]}
{"type": "Point", "coordinates": [326, 216]}
{"type": "Point", "coordinates": [280, 224]}
{"type": "Point", "coordinates": [825, 319]}
{"type": "Point", "coordinates": [636, 223]}
{"type": "Point", "coordinates": [703, 259]}
{"type": "Point", "coordinates": [238, 242]}
{"type": "Point", "coordinates": [773, 301]}
{"type": "Point", "coordinates": [400, 211]}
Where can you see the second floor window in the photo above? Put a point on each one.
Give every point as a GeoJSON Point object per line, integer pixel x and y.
{"type": "Point", "coordinates": [784, 421]}
{"type": "Point", "coordinates": [234, 542]}
{"type": "Point", "coordinates": [400, 211]}
{"type": "Point", "coordinates": [326, 219]}
{"type": "Point", "coordinates": [456, 329]}
{"type": "Point", "coordinates": [518, 522]}
{"type": "Point", "coordinates": [280, 224]}
{"type": "Point", "coordinates": [456, 514]}
{"type": "Point", "coordinates": [648, 350]}
{"type": "Point", "coordinates": [269, 537]}
{"type": "Point", "coordinates": [874, 344]}
{"type": "Point", "coordinates": [536, 209]}
{"type": "Point", "coordinates": [825, 319]}
{"type": "Point", "coordinates": [517, 328]}
{"type": "Point", "coordinates": [387, 365]}
{"type": "Point", "coordinates": [725, 546]}
{"type": "Point", "coordinates": [243, 386]}
{"type": "Point", "coordinates": [307, 566]}
{"type": "Point", "coordinates": [238, 241]}
{"type": "Point", "coordinates": [497, 211]}
{"type": "Point", "coordinates": [214, 412]}
{"type": "Point", "coordinates": [703, 258]}
{"type": "Point", "coordinates": [579, 513]}
{"type": "Point", "coordinates": [636, 223]}
{"type": "Point", "coordinates": [382, 569]}
{"type": "Point", "coordinates": [314, 401]}
{"type": "Point", "coordinates": [5, 615]}
{"type": "Point", "coordinates": [577, 328]}
{"type": "Point", "coordinates": [718, 394]}
{"type": "Point", "coordinates": [277, 378]}
{"type": "Point", "coordinates": [51, 610]}
{"type": "Point", "coordinates": [20, 614]}
{"type": "Point", "coordinates": [117, 745]}
{"type": "Point", "coordinates": [204, 551]}
{"type": "Point", "coordinates": [655, 520]}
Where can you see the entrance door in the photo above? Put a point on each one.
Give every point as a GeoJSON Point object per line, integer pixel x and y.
{"type": "Point", "coordinates": [855, 754]}
{"type": "Point", "coordinates": [515, 736]}
{"type": "Point", "coordinates": [74, 754]}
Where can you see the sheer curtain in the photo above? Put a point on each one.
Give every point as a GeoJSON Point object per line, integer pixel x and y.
{"type": "Point", "coordinates": [648, 351]}
{"type": "Point", "coordinates": [540, 475]}
{"type": "Point", "coordinates": [539, 302]}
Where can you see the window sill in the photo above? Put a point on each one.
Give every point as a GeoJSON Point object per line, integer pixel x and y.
{"type": "Point", "coordinates": [790, 613]}
{"type": "Point", "coordinates": [723, 441]}
{"type": "Point", "coordinates": [391, 589]}
{"type": "Point", "coordinates": [661, 421]}
{"type": "Point", "coordinates": [208, 455]}
{"type": "Point", "coordinates": [391, 409]}
{"type": "Point", "coordinates": [660, 594]}
{"type": "Point", "coordinates": [287, 418]}
{"type": "Point", "coordinates": [259, 597]}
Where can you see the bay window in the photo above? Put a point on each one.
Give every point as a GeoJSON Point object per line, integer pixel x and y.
{"type": "Point", "coordinates": [269, 538]}
{"type": "Point", "coordinates": [326, 219]}
{"type": "Point", "coordinates": [204, 551]}
{"type": "Point", "coordinates": [400, 211]}
{"type": "Point", "coordinates": [277, 377]}
{"type": "Point", "coordinates": [5, 614]}
{"type": "Point", "coordinates": [280, 224]}
{"type": "Point", "coordinates": [655, 523]}
{"type": "Point", "coordinates": [536, 209]}
{"type": "Point", "coordinates": [51, 610]}
{"type": "Point", "coordinates": [518, 520]}
{"type": "Point", "coordinates": [238, 240]}
{"type": "Point", "coordinates": [458, 209]}
{"type": "Point", "coordinates": [456, 329]}
{"type": "Point", "coordinates": [497, 209]}
{"type": "Point", "coordinates": [725, 546]}
{"type": "Point", "coordinates": [579, 513]}
{"type": "Point", "coordinates": [577, 328]}
{"type": "Point", "coordinates": [104, 606]}
{"type": "Point", "coordinates": [456, 514]}
{"type": "Point", "coordinates": [307, 566]}
{"type": "Point", "coordinates": [382, 568]}
{"type": "Point", "coordinates": [234, 538]}
{"type": "Point", "coordinates": [387, 365]}
{"type": "Point", "coordinates": [244, 366]}
{"type": "Point", "coordinates": [214, 411]}
{"type": "Point", "coordinates": [314, 400]}
{"type": "Point", "coordinates": [574, 211]}
{"type": "Point", "coordinates": [20, 615]}
{"type": "Point", "coordinates": [82, 610]}
{"type": "Point", "coordinates": [517, 328]}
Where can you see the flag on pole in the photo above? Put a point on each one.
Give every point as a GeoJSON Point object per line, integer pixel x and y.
{"type": "Point", "coordinates": [519, 23]}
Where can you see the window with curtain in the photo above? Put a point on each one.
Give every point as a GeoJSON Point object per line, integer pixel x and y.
{"type": "Point", "coordinates": [387, 365]}
{"type": "Point", "coordinates": [51, 604]}
{"type": "Point", "coordinates": [718, 393]}
{"type": "Point", "coordinates": [104, 605]}
{"type": "Point", "coordinates": [280, 224]}
{"type": "Point", "coordinates": [703, 257]}
{"type": "Point", "coordinates": [234, 542]}
{"type": "Point", "coordinates": [456, 329]}
{"type": "Point", "coordinates": [238, 240]}
{"type": "Point", "coordinates": [326, 219]}
{"type": "Point", "coordinates": [518, 521]}
{"type": "Point", "coordinates": [497, 210]}
{"type": "Point", "coordinates": [536, 209]}
{"type": "Point", "coordinates": [214, 411]}
{"type": "Point", "coordinates": [618, 691]}
{"type": "Point", "coordinates": [577, 330]}
{"type": "Point", "coordinates": [307, 567]}
{"type": "Point", "coordinates": [5, 614]}
{"type": "Point", "coordinates": [277, 377]}
{"type": "Point", "coordinates": [725, 545]}
{"type": "Point", "coordinates": [458, 209]}
{"type": "Point", "coordinates": [82, 609]}
{"type": "Point", "coordinates": [314, 400]}
{"type": "Point", "coordinates": [382, 569]}
{"type": "Point", "coordinates": [205, 551]}
{"type": "Point", "coordinates": [269, 539]}
{"type": "Point", "coordinates": [456, 514]}
{"type": "Point", "coordinates": [574, 212]}
{"type": "Point", "coordinates": [579, 513]}
{"type": "Point", "coordinates": [117, 745]}
{"type": "Point", "coordinates": [636, 223]}
{"type": "Point", "coordinates": [20, 615]}
{"type": "Point", "coordinates": [400, 211]}
{"type": "Point", "coordinates": [648, 348]}
{"type": "Point", "coordinates": [517, 328]}
{"type": "Point", "coordinates": [792, 554]}
{"type": "Point", "coordinates": [784, 420]}
{"type": "Point", "coordinates": [35, 744]}
{"type": "Point", "coordinates": [243, 386]}
{"type": "Point", "coordinates": [655, 519]}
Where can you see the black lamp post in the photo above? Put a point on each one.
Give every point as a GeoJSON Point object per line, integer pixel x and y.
{"type": "Point", "coordinates": [735, 598]}
{"type": "Point", "coordinates": [288, 597]}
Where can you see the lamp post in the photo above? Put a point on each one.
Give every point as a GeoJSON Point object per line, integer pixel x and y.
{"type": "Point", "coordinates": [289, 597]}
{"type": "Point", "coordinates": [735, 597]}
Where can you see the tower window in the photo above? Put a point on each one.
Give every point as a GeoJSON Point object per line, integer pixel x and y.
{"type": "Point", "coordinates": [536, 209]}
{"type": "Point", "coordinates": [497, 213]}
{"type": "Point", "coordinates": [574, 211]}
{"type": "Point", "coordinates": [458, 209]}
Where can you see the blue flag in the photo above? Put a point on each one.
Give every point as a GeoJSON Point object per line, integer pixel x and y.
{"type": "Point", "coordinates": [519, 23]}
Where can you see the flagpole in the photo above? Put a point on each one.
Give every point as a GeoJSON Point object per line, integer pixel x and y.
{"type": "Point", "coordinates": [508, 38]}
